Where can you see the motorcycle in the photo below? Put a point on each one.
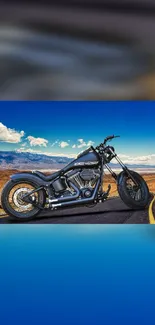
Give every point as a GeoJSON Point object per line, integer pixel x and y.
{"type": "Point", "coordinates": [80, 183]}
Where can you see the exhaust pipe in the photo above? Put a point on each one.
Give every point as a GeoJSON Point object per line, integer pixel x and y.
{"type": "Point", "coordinates": [77, 202]}
{"type": "Point", "coordinates": [67, 198]}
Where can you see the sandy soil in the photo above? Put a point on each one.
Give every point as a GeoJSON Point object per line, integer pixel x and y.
{"type": "Point", "coordinates": [149, 178]}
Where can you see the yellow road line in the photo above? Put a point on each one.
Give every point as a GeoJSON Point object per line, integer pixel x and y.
{"type": "Point", "coordinates": [151, 216]}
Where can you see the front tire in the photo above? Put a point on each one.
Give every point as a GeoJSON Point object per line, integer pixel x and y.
{"type": "Point", "coordinates": [12, 203]}
{"type": "Point", "coordinates": [135, 199]}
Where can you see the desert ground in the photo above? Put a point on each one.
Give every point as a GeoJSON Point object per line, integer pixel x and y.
{"type": "Point", "coordinates": [149, 177]}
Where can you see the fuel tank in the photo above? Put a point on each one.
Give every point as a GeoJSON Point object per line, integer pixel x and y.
{"type": "Point", "coordinates": [88, 158]}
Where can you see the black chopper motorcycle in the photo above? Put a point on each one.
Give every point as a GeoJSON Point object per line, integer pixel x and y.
{"type": "Point", "coordinates": [80, 183]}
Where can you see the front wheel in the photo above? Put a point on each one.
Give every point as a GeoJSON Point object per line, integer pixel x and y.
{"type": "Point", "coordinates": [135, 195]}
{"type": "Point", "coordinates": [12, 203]}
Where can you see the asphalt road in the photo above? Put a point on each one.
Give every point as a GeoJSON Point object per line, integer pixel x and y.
{"type": "Point", "coordinates": [113, 211]}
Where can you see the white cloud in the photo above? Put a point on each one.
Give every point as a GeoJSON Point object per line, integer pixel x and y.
{"type": "Point", "coordinates": [10, 135]}
{"type": "Point", "coordinates": [138, 160]}
{"type": "Point", "coordinates": [63, 144]}
{"type": "Point", "coordinates": [29, 150]}
{"type": "Point", "coordinates": [37, 141]}
{"type": "Point", "coordinates": [90, 143]}
{"type": "Point", "coordinates": [82, 144]}
{"type": "Point", "coordinates": [54, 143]}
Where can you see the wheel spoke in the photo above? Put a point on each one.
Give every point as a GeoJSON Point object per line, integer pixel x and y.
{"type": "Point", "coordinates": [134, 191]}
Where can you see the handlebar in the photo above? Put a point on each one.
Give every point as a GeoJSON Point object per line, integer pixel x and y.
{"type": "Point", "coordinates": [109, 138]}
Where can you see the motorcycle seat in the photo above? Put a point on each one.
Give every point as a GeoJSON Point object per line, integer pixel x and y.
{"type": "Point", "coordinates": [45, 177]}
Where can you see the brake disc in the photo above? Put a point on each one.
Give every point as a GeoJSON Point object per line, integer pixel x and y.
{"type": "Point", "coordinates": [17, 198]}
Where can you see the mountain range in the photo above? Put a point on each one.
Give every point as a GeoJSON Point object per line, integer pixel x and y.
{"type": "Point", "coordinates": [30, 161]}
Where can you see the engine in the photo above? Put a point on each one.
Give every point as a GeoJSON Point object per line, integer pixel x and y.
{"type": "Point", "coordinates": [85, 180]}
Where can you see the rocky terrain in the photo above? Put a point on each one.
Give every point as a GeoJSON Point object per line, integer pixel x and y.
{"type": "Point", "coordinates": [29, 161]}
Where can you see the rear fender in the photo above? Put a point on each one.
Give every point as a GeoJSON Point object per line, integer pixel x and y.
{"type": "Point", "coordinates": [28, 177]}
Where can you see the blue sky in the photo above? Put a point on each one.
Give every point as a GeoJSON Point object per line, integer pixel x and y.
{"type": "Point", "coordinates": [68, 127]}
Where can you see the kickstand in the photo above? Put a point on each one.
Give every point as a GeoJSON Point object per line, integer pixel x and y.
{"type": "Point", "coordinates": [106, 194]}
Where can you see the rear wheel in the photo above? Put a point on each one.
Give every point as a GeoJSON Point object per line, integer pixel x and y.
{"type": "Point", "coordinates": [134, 195]}
{"type": "Point", "coordinates": [13, 203]}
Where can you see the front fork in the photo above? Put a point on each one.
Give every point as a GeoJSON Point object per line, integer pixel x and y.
{"type": "Point", "coordinates": [126, 170]}
{"type": "Point", "coordinates": [124, 167]}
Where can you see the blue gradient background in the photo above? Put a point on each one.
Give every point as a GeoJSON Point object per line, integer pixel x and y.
{"type": "Point", "coordinates": [79, 274]}
{"type": "Point", "coordinates": [82, 274]}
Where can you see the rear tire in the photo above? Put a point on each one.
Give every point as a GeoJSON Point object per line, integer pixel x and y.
{"type": "Point", "coordinates": [27, 215]}
{"type": "Point", "coordinates": [128, 199]}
